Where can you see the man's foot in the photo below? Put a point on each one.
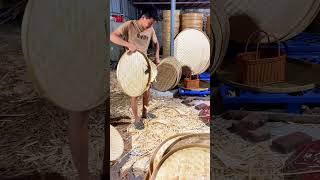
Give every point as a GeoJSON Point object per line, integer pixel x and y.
{"type": "Point", "coordinates": [138, 124]}
{"type": "Point", "coordinates": [148, 116]}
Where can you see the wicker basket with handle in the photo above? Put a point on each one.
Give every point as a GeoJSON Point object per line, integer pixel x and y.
{"type": "Point", "coordinates": [259, 68]}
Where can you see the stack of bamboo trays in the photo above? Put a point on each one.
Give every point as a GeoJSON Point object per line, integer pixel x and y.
{"type": "Point", "coordinates": [173, 158]}
{"type": "Point", "coordinates": [192, 20]}
{"type": "Point", "coordinates": [166, 30]}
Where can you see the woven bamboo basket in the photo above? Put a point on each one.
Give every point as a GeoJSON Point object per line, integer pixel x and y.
{"type": "Point", "coordinates": [169, 74]}
{"type": "Point", "coordinates": [192, 54]}
{"type": "Point", "coordinates": [259, 68]}
{"type": "Point", "coordinates": [166, 30]}
{"type": "Point", "coordinates": [192, 20]}
{"type": "Point", "coordinates": [186, 162]}
{"type": "Point", "coordinates": [135, 73]}
{"type": "Point", "coordinates": [175, 142]}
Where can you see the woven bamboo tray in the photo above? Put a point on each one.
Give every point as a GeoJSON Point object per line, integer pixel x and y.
{"type": "Point", "coordinates": [169, 74]}
{"type": "Point", "coordinates": [66, 60]}
{"type": "Point", "coordinates": [186, 162]}
{"type": "Point", "coordinates": [116, 144]}
{"type": "Point", "coordinates": [221, 33]}
{"type": "Point", "coordinates": [290, 17]}
{"type": "Point", "coordinates": [192, 54]}
{"type": "Point", "coordinates": [175, 142]}
{"type": "Point", "coordinates": [135, 73]}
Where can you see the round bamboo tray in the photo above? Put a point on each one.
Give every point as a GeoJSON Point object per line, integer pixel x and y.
{"type": "Point", "coordinates": [168, 74]}
{"type": "Point", "coordinates": [66, 60]}
{"type": "Point", "coordinates": [192, 54]}
{"type": "Point", "coordinates": [284, 19]}
{"type": "Point", "coordinates": [116, 144]}
{"type": "Point", "coordinates": [192, 20]}
{"type": "Point", "coordinates": [220, 33]}
{"type": "Point", "coordinates": [135, 73]}
{"type": "Point", "coordinates": [175, 142]}
{"type": "Point", "coordinates": [306, 79]}
{"type": "Point", "coordinates": [186, 162]}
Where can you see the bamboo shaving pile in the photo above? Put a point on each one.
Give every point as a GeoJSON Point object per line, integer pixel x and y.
{"type": "Point", "coordinates": [237, 159]}
{"type": "Point", "coordinates": [33, 131]}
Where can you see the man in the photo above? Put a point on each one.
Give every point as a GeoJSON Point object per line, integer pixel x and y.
{"type": "Point", "coordinates": [136, 35]}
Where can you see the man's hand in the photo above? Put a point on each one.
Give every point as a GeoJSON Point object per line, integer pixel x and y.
{"type": "Point", "coordinates": [132, 47]}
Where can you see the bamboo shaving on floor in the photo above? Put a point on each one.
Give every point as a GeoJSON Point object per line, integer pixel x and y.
{"type": "Point", "coordinates": [33, 131]}
{"type": "Point", "coordinates": [237, 159]}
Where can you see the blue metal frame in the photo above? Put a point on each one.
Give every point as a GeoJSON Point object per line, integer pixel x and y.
{"type": "Point", "coordinates": [241, 97]}
{"type": "Point", "coordinates": [173, 7]}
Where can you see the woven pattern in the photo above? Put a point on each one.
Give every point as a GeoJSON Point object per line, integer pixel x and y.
{"type": "Point", "coordinates": [192, 20]}
{"type": "Point", "coordinates": [191, 53]}
{"type": "Point", "coordinates": [160, 151]}
{"type": "Point", "coordinates": [133, 73]}
{"type": "Point", "coordinates": [169, 74]}
{"type": "Point", "coordinates": [116, 144]}
{"type": "Point", "coordinates": [174, 143]}
{"type": "Point", "coordinates": [185, 163]}
{"type": "Point", "coordinates": [68, 66]}
{"type": "Point", "coordinates": [284, 19]}
{"type": "Point", "coordinates": [221, 34]}
{"type": "Point", "coordinates": [166, 30]}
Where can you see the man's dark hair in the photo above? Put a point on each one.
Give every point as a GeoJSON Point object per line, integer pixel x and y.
{"type": "Point", "coordinates": [150, 12]}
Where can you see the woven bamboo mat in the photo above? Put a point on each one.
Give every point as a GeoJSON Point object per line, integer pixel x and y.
{"type": "Point", "coordinates": [66, 63]}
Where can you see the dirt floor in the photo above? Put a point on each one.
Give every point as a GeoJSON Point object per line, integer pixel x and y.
{"type": "Point", "coordinates": [170, 117]}
{"type": "Point", "coordinates": [235, 158]}
{"type": "Point", "coordinates": [32, 129]}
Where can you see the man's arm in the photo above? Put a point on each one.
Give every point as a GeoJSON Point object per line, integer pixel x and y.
{"type": "Point", "coordinates": [157, 47]}
{"type": "Point", "coordinates": [115, 37]}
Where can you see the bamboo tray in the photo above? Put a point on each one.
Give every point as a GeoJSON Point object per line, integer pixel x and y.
{"type": "Point", "coordinates": [66, 57]}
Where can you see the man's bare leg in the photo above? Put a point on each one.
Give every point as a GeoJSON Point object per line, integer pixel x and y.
{"type": "Point", "coordinates": [78, 137]}
{"type": "Point", "coordinates": [134, 108]}
{"type": "Point", "coordinates": [146, 97]}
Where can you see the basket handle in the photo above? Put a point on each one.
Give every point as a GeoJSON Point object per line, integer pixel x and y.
{"type": "Point", "coordinates": [189, 75]}
{"type": "Point", "coordinates": [275, 38]}
{"type": "Point", "coordinates": [252, 35]}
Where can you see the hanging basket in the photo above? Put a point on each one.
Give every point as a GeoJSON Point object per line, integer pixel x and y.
{"type": "Point", "coordinates": [259, 68]}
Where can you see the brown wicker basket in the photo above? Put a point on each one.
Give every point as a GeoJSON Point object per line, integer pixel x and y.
{"type": "Point", "coordinates": [259, 68]}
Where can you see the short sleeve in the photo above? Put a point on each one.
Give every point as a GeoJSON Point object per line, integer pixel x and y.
{"type": "Point", "coordinates": [154, 37]}
{"type": "Point", "coordinates": [124, 28]}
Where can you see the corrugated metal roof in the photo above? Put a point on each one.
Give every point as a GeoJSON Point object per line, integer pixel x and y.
{"type": "Point", "coordinates": [180, 4]}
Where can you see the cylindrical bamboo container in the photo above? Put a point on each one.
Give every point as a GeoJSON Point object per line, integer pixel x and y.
{"type": "Point", "coordinates": [192, 20]}
{"type": "Point", "coordinates": [166, 30]}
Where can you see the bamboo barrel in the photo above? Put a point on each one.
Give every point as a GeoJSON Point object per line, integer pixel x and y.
{"type": "Point", "coordinates": [166, 30]}
{"type": "Point", "coordinates": [169, 74]}
{"type": "Point", "coordinates": [186, 162]}
{"type": "Point", "coordinates": [192, 20]}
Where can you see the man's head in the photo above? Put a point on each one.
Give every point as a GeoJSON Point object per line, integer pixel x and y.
{"type": "Point", "coordinates": [148, 17]}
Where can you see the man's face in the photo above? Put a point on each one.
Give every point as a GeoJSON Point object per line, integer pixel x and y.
{"type": "Point", "coordinates": [147, 22]}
